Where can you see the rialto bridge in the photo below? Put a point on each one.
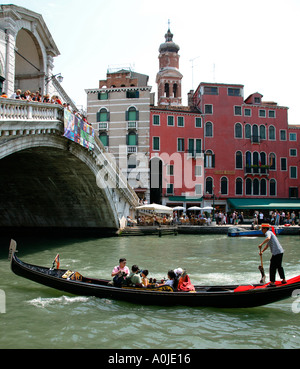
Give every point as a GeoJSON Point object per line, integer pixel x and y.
{"type": "Point", "coordinates": [50, 181]}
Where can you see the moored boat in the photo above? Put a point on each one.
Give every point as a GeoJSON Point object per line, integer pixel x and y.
{"type": "Point", "coordinates": [243, 232]}
{"type": "Point", "coordinates": [225, 296]}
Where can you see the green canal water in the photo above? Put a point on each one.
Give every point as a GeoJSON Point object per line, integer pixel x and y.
{"type": "Point", "coordinates": [40, 317]}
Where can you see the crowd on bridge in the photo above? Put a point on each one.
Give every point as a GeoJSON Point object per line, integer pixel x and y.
{"type": "Point", "coordinates": [38, 97]}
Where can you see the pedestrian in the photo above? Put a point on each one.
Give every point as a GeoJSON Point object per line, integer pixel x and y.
{"type": "Point", "coordinates": [277, 254]}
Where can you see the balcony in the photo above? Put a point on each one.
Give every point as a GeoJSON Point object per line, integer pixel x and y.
{"type": "Point", "coordinates": [132, 124]}
{"type": "Point", "coordinates": [257, 170]}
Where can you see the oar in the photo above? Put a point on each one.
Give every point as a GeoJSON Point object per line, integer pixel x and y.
{"type": "Point", "coordinates": [261, 268]}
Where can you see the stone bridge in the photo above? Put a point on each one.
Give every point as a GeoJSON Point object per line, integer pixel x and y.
{"type": "Point", "coordinates": [48, 181]}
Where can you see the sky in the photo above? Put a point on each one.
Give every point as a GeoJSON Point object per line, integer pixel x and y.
{"type": "Point", "coordinates": [253, 43]}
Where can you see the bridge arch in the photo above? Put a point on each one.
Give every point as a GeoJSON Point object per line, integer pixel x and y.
{"type": "Point", "coordinates": [49, 181]}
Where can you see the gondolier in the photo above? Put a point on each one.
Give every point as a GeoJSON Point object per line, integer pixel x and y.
{"type": "Point", "coordinates": [277, 254]}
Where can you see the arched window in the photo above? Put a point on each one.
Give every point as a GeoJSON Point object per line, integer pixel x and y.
{"type": "Point", "coordinates": [263, 187]}
{"type": "Point", "coordinates": [209, 185]}
{"type": "Point", "coordinates": [273, 188]}
{"type": "Point", "coordinates": [175, 90]}
{"type": "Point", "coordinates": [167, 90]}
{"type": "Point", "coordinates": [248, 186]}
{"type": "Point", "coordinates": [104, 138]}
{"type": "Point", "coordinates": [247, 130]}
{"type": "Point", "coordinates": [255, 186]}
{"type": "Point", "coordinates": [248, 162]}
{"type": "Point", "coordinates": [224, 186]}
{"type": "Point", "coordinates": [208, 129]}
{"type": "Point", "coordinates": [272, 133]}
{"type": "Point", "coordinates": [262, 132]}
{"type": "Point", "coordinates": [238, 131]}
{"type": "Point", "coordinates": [132, 114]}
{"type": "Point", "coordinates": [209, 159]}
{"type": "Point", "coordinates": [239, 186]}
{"type": "Point", "coordinates": [263, 162]}
{"type": "Point", "coordinates": [255, 137]}
{"type": "Point", "coordinates": [272, 161]}
{"type": "Point", "coordinates": [132, 139]}
{"type": "Point", "coordinates": [103, 115]}
{"type": "Point", "coordinates": [255, 162]}
{"type": "Point", "coordinates": [239, 160]}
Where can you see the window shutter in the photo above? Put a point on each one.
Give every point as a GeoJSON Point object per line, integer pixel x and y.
{"type": "Point", "coordinates": [137, 115]}
{"type": "Point", "coordinates": [213, 160]}
{"type": "Point", "coordinates": [98, 116]}
{"type": "Point", "coordinates": [126, 115]}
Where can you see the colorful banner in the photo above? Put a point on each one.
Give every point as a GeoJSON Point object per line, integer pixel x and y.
{"type": "Point", "coordinates": [78, 130]}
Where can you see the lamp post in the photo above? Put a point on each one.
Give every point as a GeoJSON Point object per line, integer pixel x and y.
{"type": "Point", "coordinates": [58, 76]}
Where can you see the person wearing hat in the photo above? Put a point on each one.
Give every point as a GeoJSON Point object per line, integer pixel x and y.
{"type": "Point", "coordinates": [277, 254]}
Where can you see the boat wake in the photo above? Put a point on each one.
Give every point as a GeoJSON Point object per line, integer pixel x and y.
{"type": "Point", "coordinates": [63, 300]}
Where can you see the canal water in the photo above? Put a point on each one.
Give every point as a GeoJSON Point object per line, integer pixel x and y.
{"type": "Point", "coordinates": [40, 317]}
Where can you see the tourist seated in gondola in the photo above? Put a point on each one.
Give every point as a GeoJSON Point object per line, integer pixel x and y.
{"type": "Point", "coordinates": [145, 280]}
{"type": "Point", "coordinates": [120, 272]}
{"type": "Point", "coordinates": [184, 283]}
{"type": "Point", "coordinates": [134, 278]}
{"type": "Point", "coordinates": [171, 281]}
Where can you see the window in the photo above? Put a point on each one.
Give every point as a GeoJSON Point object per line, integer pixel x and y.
{"type": "Point", "coordinates": [103, 96]}
{"type": "Point", "coordinates": [273, 188]}
{"type": "Point", "coordinates": [239, 186]}
{"type": "Point", "coordinates": [263, 162]}
{"type": "Point", "coordinates": [132, 114]}
{"type": "Point", "coordinates": [198, 122]}
{"type": "Point", "coordinates": [272, 161]}
{"type": "Point", "coordinates": [103, 115]}
{"type": "Point", "coordinates": [175, 90]}
{"type": "Point", "coordinates": [247, 112]}
{"type": "Point", "coordinates": [198, 171]}
{"type": "Point", "coordinates": [263, 187]}
{"type": "Point", "coordinates": [104, 138]}
{"type": "Point", "coordinates": [238, 130]}
{"type": "Point", "coordinates": [248, 186]}
{"type": "Point", "coordinates": [180, 122]}
{"type": "Point", "coordinates": [293, 172]}
{"type": "Point", "coordinates": [224, 186]}
{"type": "Point", "coordinates": [208, 129]}
{"type": "Point", "coordinates": [293, 136]}
{"type": "Point", "coordinates": [180, 144]}
{"type": "Point", "coordinates": [255, 162]}
{"type": "Point", "coordinates": [156, 120]}
{"type": "Point", "coordinates": [156, 143]}
{"type": "Point", "coordinates": [234, 92]}
{"type": "Point", "coordinates": [237, 110]}
{"type": "Point", "coordinates": [262, 113]}
{"type": "Point", "coordinates": [293, 152]}
{"type": "Point", "coordinates": [132, 139]}
{"type": "Point", "coordinates": [271, 113]}
{"type": "Point", "coordinates": [255, 136]}
{"type": "Point", "coordinates": [208, 109]}
{"type": "Point", "coordinates": [248, 161]}
{"type": "Point", "coordinates": [257, 100]}
{"type": "Point", "coordinates": [170, 120]}
{"type": "Point", "coordinates": [208, 90]}
{"type": "Point", "coordinates": [198, 189]}
{"type": "Point", "coordinates": [191, 147]}
{"type": "Point", "coordinates": [209, 159]}
{"type": "Point", "coordinates": [239, 160]}
{"type": "Point", "coordinates": [167, 90]}
{"type": "Point", "coordinates": [282, 135]}
{"type": "Point", "coordinates": [272, 133]}
{"type": "Point", "coordinates": [283, 164]}
{"type": "Point", "coordinates": [198, 145]}
{"type": "Point", "coordinates": [262, 132]}
{"type": "Point", "coordinates": [209, 185]}
{"type": "Point", "coordinates": [247, 130]}
{"type": "Point", "coordinates": [132, 94]}
{"type": "Point", "coordinates": [255, 187]}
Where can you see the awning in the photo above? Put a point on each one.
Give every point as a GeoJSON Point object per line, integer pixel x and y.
{"type": "Point", "coordinates": [257, 204]}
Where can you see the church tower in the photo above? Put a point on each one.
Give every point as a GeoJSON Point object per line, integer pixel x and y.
{"type": "Point", "coordinates": [168, 78]}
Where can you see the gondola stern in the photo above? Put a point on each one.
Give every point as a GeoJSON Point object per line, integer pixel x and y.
{"type": "Point", "coordinates": [12, 250]}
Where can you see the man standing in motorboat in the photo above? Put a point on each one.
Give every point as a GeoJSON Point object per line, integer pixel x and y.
{"type": "Point", "coordinates": [277, 254]}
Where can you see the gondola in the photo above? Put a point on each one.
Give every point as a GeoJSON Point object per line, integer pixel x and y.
{"type": "Point", "coordinates": [224, 296]}
{"type": "Point", "coordinates": [242, 232]}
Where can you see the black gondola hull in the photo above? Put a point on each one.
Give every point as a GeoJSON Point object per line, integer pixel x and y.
{"type": "Point", "coordinates": [204, 296]}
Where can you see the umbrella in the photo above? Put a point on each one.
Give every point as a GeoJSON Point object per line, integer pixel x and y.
{"type": "Point", "coordinates": [194, 208]}
{"type": "Point", "coordinates": [208, 208]}
{"type": "Point", "coordinates": [178, 208]}
{"type": "Point", "coordinates": [156, 208]}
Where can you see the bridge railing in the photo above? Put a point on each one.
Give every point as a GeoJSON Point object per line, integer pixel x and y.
{"type": "Point", "coordinates": [15, 110]}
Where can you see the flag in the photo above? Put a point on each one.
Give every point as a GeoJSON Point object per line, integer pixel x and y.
{"type": "Point", "coordinates": [56, 260]}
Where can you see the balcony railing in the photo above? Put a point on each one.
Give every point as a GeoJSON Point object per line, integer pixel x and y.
{"type": "Point", "coordinates": [260, 170]}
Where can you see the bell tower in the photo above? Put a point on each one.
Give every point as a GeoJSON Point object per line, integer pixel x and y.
{"type": "Point", "coordinates": [168, 78]}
